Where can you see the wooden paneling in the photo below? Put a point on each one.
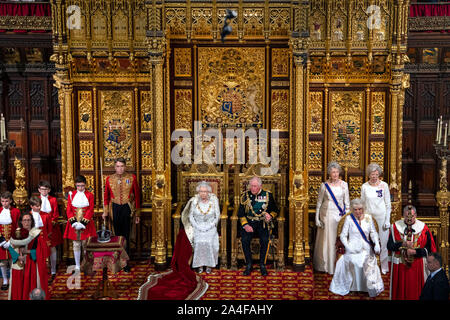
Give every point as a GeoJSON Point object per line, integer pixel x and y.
{"type": "Point", "coordinates": [425, 100]}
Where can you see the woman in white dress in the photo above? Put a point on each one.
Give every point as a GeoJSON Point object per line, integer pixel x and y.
{"type": "Point", "coordinates": [377, 201]}
{"type": "Point", "coordinates": [200, 218]}
{"type": "Point", "coordinates": [328, 214]}
{"type": "Point", "coordinates": [357, 269]}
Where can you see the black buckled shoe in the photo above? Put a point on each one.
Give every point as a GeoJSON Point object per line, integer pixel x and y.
{"type": "Point", "coordinates": [248, 270]}
{"type": "Point", "coordinates": [5, 286]}
{"type": "Point", "coordinates": [263, 270]}
{"type": "Point", "coordinates": [127, 268]}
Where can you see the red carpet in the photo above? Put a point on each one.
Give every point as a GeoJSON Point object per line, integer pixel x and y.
{"type": "Point", "coordinates": [223, 285]}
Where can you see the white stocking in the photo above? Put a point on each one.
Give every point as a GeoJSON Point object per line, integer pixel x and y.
{"type": "Point", "coordinates": [4, 274]}
{"type": "Point", "coordinates": [77, 253]}
{"type": "Point", "coordinates": [53, 260]}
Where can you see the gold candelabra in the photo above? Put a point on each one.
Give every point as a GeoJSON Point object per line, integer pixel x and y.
{"type": "Point", "coordinates": [443, 195]}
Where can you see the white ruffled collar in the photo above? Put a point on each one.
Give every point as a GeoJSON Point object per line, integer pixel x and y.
{"type": "Point", "coordinates": [417, 226]}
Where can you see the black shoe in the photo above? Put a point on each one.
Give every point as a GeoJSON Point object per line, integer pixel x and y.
{"type": "Point", "coordinates": [5, 286]}
{"type": "Point", "coordinates": [263, 270]}
{"type": "Point", "coordinates": [248, 270]}
{"type": "Point", "coordinates": [127, 268]}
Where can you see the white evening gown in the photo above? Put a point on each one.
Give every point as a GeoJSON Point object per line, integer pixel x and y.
{"type": "Point", "coordinates": [324, 257]}
{"type": "Point", "coordinates": [377, 202]}
{"type": "Point", "coordinates": [206, 238]}
{"type": "Point", "coordinates": [357, 269]}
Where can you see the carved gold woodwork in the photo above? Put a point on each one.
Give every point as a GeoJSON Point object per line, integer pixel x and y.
{"type": "Point", "coordinates": [280, 109]}
{"type": "Point", "coordinates": [280, 62]}
{"type": "Point", "coordinates": [346, 127]}
{"type": "Point", "coordinates": [89, 182]}
{"type": "Point", "coordinates": [182, 62]}
{"type": "Point", "coordinates": [20, 194]}
{"type": "Point", "coordinates": [183, 107]}
{"type": "Point", "coordinates": [315, 155]}
{"type": "Point", "coordinates": [262, 78]}
{"type": "Point", "coordinates": [117, 126]}
{"type": "Point", "coordinates": [316, 112]}
{"type": "Point", "coordinates": [146, 154]}
{"type": "Point", "coordinates": [231, 86]}
{"type": "Point", "coordinates": [146, 111]}
{"type": "Point", "coordinates": [87, 155]}
{"type": "Point", "coordinates": [377, 153]}
{"type": "Point", "coordinates": [377, 112]}
{"type": "Point", "coordinates": [354, 186]}
{"type": "Point", "coordinates": [85, 111]}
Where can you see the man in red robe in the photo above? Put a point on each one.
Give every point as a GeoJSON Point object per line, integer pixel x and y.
{"type": "Point", "coordinates": [80, 224]}
{"type": "Point", "coordinates": [9, 217]}
{"type": "Point", "coordinates": [50, 206]}
{"type": "Point", "coordinates": [122, 202]}
{"type": "Point", "coordinates": [410, 242]}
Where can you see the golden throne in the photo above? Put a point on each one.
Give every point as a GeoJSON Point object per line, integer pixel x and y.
{"type": "Point", "coordinates": [218, 180]}
{"type": "Point", "coordinates": [274, 183]}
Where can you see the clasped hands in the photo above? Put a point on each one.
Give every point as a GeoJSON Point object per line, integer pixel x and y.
{"type": "Point", "coordinates": [409, 245]}
{"type": "Point", "coordinates": [248, 228]}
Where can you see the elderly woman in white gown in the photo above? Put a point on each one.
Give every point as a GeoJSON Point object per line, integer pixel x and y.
{"type": "Point", "coordinates": [377, 202]}
{"type": "Point", "coordinates": [200, 218]}
{"type": "Point", "coordinates": [328, 215]}
{"type": "Point", "coordinates": [357, 269]}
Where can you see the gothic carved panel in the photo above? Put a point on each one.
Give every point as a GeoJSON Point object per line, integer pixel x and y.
{"type": "Point", "coordinates": [176, 21]}
{"type": "Point", "coordinates": [146, 188]}
{"type": "Point", "coordinates": [279, 21]}
{"type": "Point", "coordinates": [253, 22]}
{"type": "Point", "coordinates": [377, 112]}
{"type": "Point", "coordinates": [202, 22]}
{"type": "Point", "coordinates": [183, 109]}
{"type": "Point", "coordinates": [85, 111]}
{"type": "Point", "coordinates": [117, 125]}
{"type": "Point", "coordinates": [313, 188]}
{"type": "Point", "coordinates": [37, 99]}
{"type": "Point", "coordinates": [231, 86]}
{"type": "Point", "coordinates": [315, 155]}
{"type": "Point", "coordinates": [89, 182]}
{"type": "Point", "coordinates": [146, 154]}
{"type": "Point", "coordinates": [146, 111]}
{"type": "Point", "coordinates": [345, 146]}
{"type": "Point", "coordinates": [86, 155]}
{"type": "Point", "coordinates": [354, 186]}
{"type": "Point", "coordinates": [182, 62]}
{"type": "Point", "coordinates": [280, 62]}
{"type": "Point", "coordinates": [316, 111]}
{"type": "Point", "coordinates": [280, 110]}
{"type": "Point", "coordinates": [377, 153]}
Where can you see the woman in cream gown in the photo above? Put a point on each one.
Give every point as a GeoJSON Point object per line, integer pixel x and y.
{"type": "Point", "coordinates": [357, 269]}
{"type": "Point", "coordinates": [327, 219]}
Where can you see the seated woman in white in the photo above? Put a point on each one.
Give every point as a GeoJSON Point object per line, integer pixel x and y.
{"type": "Point", "coordinates": [357, 269]}
{"type": "Point", "coordinates": [200, 218]}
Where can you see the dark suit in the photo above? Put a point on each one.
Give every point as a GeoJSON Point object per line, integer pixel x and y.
{"type": "Point", "coordinates": [436, 288]}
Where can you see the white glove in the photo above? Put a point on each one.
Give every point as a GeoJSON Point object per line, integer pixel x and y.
{"type": "Point", "coordinates": [2, 243]}
{"type": "Point", "coordinates": [386, 225]}
{"type": "Point", "coordinates": [377, 249]}
{"type": "Point", "coordinates": [319, 223]}
{"type": "Point", "coordinates": [6, 245]}
{"type": "Point", "coordinates": [78, 226]}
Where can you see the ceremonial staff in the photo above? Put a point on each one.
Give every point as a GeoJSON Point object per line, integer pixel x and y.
{"type": "Point", "coordinates": [103, 193]}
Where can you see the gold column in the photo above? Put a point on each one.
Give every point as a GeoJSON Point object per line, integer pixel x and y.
{"type": "Point", "coordinates": [443, 201]}
{"type": "Point", "coordinates": [161, 160]}
{"type": "Point", "coordinates": [298, 198]}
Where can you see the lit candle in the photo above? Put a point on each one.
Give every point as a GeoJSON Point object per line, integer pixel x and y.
{"type": "Point", "coordinates": [437, 131]}
{"type": "Point", "coordinates": [2, 128]}
{"type": "Point", "coordinates": [445, 135]}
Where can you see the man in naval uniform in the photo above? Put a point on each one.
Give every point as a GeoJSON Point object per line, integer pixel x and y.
{"type": "Point", "coordinates": [122, 192]}
{"type": "Point", "coordinates": [257, 210]}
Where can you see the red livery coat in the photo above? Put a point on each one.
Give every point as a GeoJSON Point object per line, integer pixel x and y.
{"type": "Point", "coordinates": [56, 235]}
{"type": "Point", "coordinates": [7, 230]}
{"type": "Point", "coordinates": [90, 231]}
